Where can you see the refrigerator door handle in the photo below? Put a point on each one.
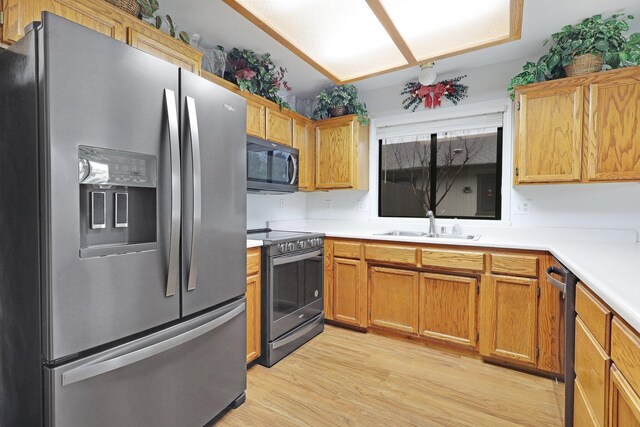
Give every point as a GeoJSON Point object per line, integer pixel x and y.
{"type": "Point", "coordinates": [174, 238]}
{"type": "Point", "coordinates": [192, 118]}
{"type": "Point", "coordinates": [92, 370]}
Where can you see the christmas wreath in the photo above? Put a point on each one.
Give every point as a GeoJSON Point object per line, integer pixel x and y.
{"type": "Point", "coordinates": [432, 95]}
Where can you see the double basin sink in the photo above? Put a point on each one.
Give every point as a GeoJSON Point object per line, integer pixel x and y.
{"type": "Point", "coordinates": [400, 233]}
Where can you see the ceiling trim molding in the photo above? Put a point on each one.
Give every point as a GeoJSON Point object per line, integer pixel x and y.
{"type": "Point", "coordinates": [515, 32]}
{"type": "Point", "coordinates": [378, 9]}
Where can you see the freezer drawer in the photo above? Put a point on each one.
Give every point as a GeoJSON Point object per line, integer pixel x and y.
{"type": "Point", "coordinates": [182, 376]}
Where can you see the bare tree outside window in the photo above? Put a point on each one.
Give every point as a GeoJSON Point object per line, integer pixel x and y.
{"type": "Point", "coordinates": [452, 174]}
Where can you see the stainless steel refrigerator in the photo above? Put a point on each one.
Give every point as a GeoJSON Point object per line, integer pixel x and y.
{"type": "Point", "coordinates": [123, 248]}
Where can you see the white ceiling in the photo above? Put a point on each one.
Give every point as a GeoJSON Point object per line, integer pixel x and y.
{"type": "Point", "coordinates": [219, 24]}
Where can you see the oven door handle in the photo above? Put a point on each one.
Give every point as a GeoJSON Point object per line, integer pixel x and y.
{"type": "Point", "coordinates": [296, 258]}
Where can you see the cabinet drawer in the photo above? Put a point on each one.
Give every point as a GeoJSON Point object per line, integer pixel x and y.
{"type": "Point", "coordinates": [458, 260]}
{"type": "Point", "coordinates": [595, 315]}
{"type": "Point", "coordinates": [582, 415]}
{"type": "Point", "coordinates": [625, 352]}
{"type": "Point", "coordinates": [592, 370]}
{"type": "Point", "coordinates": [515, 265]}
{"type": "Point", "coordinates": [253, 261]}
{"type": "Point", "coordinates": [391, 254]}
{"type": "Point", "coordinates": [346, 250]}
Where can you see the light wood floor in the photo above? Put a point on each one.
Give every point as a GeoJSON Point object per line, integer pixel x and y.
{"type": "Point", "coordinates": [346, 378]}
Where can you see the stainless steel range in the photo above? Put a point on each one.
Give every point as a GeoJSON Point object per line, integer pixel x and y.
{"type": "Point", "coordinates": [292, 296]}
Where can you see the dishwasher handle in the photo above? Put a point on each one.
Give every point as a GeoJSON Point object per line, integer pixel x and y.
{"type": "Point", "coordinates": [562, 286]}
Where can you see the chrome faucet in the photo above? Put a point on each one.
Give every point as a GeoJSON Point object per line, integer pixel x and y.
{"type": "Point", "coordinates": [432, 223]}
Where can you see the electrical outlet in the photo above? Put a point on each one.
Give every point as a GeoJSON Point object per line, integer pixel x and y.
{"type": "Point", "coordinates": [362, 206]}
{"type": "Point", "coordinates": [524, 207]}
{"type": "Point", "coordinates": [281, 203]}
{"type": "Point", "coordinates": [328, 204]}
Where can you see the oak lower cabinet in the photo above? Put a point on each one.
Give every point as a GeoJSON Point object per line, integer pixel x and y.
{"type": "Point", "coordinates": [342, 154]}
{"type": "Point", "coordinates": [448, 308]}
{"type": "Point", "coordinates": [624, 402]}
{"type": "Point", "coordinates": [509, 324]}
{"type": "Point", "coordinates": [253, 296]}
{"type": "Point", "coordinates": [393, 299]}
{"type": "Point", "coordinates": [349, 292]}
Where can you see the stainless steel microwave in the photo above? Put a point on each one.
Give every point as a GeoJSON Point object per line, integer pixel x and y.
{"type": "Point", "coordinates": [271, 167]}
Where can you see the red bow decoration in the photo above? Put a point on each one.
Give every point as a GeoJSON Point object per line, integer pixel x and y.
{"type": "Point", "coordinates": [432, 94]}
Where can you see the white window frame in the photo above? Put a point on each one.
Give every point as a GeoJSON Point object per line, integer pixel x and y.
{"type": "Point", "coordinates": [378, 124]}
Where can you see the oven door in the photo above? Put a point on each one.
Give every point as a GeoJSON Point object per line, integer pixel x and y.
{"type": "Point", "coordinates": [271, 167]}
{"type": "Point", "coordinates": [295, 290]}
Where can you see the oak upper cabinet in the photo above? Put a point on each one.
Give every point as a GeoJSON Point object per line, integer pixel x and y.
{"type": "Point", "coordinates": [167, 48]}
{"type": "Point", "coordinates": [100, 16]}
{"type": "Point", "coordinates": [14, 19]}
{"type": "Point", "coordinates": [448, 308]}
{"type": "Point", "coordinates": [342, 154]}
{"type": "Point", "coordinates": [549, 134]}
{"type": "Point", "coordinates": [279, 127]}
{"type": "Point", "coordinates": [613, 141]}
{"type": "Point", "coordinates": [393, 299]}
{"type": "Point", "coordinates": [303, 141]}
{"type": "Point", "coordinates": [253, 296]}
{"type": "Point", "coordinates": [508, 319]}
{"type": "Point", "coordinates": [256, 116]}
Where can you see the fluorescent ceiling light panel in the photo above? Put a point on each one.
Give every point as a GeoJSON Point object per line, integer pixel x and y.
{"type": "Point", "coordinates": [438, 28]}
{"type": "Point", "coordinates": [343, 37]}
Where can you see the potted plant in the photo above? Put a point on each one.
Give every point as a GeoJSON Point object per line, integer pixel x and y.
{"type": "Point", "coordinates": [583, 48]}
{"type": "Point", "coordinates": [149, 13]}
{"type": "Point", "coordinates": [336, 101]}
{"type": "Point", "coordinates": [256, 74]}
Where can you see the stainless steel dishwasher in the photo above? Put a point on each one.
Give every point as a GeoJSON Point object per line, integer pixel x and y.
{"type": "Point", "coordinates": [567, 285]}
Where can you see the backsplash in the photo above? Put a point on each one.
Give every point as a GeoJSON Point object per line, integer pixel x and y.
{"type": "Point", "coordinates": [264, 207]}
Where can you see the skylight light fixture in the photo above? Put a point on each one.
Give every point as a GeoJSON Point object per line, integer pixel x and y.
{"type": "Point", "coordinates": [349, 40]}
{"type": "Point", "coordinates": [427, 75]}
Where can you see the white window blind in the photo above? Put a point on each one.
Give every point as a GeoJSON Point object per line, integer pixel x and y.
{"type": "Point", "coordinates": [490, 120]}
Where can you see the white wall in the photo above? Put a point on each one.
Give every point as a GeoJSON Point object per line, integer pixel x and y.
{"type": "Point", "coordinates": [613, 206]}
{"type": "Point", "coordinates": [265, 207]}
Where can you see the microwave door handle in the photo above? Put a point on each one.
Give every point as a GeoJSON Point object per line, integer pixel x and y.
{"type": "Point", "coordinates": [293, 161]}
{"type": "Point", "coordinates": [192, 119]}
{"type": "Point", "coordinates": [174, 152]}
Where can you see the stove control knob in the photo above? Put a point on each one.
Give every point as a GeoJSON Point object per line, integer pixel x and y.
{"type": "Point", "coordinates": [311, 243]}
{"type": "Point", "coordinates": [282, 247]}
{"type": "Point", "coordinates": [291, 246]}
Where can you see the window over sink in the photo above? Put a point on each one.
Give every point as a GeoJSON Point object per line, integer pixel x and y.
{"type": "Point", "coordinates": [454, 173]}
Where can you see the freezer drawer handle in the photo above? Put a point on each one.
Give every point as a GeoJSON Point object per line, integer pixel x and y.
{"type": "Point", "coordinates": [562, 286]}
{"type": "Point", "coordinates": [197, 192]}
{"type": "Point", "coordinates": [174, 238]}
{"type": "Point", "coordinates": [286, 340]}
{"type": "Point", "coordinates": [102, 367]}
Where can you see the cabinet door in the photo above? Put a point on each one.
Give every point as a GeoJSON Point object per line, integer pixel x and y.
{"type": "Point", "coordinates": [448, 308]}
{"type": "Point", "coordinates": [614, 130]}
{"type": "Point", "coordinates": [302, 140]}
{"type": "Point", "coordinates": [98, 16]}
{"type": "Point", "coordinates": [15, 19]}
{"type": "Point", "coordinates": [549, 135]}
{"type": "Point", "coordinates": [393, 299]}
{"type": "Point", "coordinates": [349, 292]}
{"type": "Point", "coordinates": [279, 127]}
{"type": "Point", "coordinates": [624, 403]}
{"type": "Point", "coordinates": [167, 48]}
{"type": "Point", "coordinates": [335, 155]}
{"type": "Point", "coordinates": [253, 317]}
{"type": "Point", "coordinates": [256, 119]}
{"type": "Point", "coordinates": [508, 319]}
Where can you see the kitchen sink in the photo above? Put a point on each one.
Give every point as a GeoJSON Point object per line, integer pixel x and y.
{"type": "Point", "coordinates": [432, 236]}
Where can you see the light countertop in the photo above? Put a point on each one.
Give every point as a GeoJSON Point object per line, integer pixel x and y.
{"type": "Point", "coordinates": [253, 243]}
{"type": "Point", "coordinates": [607, 261]}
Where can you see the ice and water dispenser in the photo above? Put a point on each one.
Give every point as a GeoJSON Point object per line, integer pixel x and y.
{"type": "Point", "coordinates": [118, 209]}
